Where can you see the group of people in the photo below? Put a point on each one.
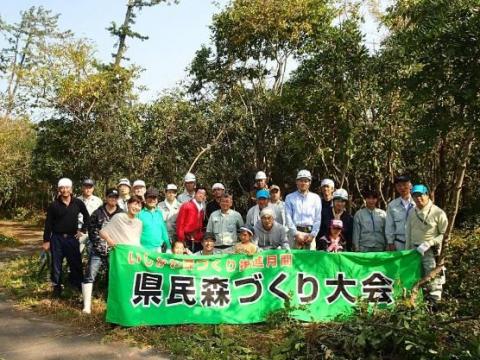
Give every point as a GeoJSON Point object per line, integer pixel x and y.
{"type": "Point", "coordinates": [186, 223]}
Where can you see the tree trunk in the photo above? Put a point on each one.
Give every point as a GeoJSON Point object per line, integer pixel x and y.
{"type": "Point", "coordinates": [123, 33]}
{"type": "Point", "coordinates": [205, 149]}
{"type": "Point", "coordinates": [441, 196]}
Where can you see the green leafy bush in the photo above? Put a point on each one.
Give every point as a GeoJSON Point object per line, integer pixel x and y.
{"type": "Point", "coordinates": [452, 331]}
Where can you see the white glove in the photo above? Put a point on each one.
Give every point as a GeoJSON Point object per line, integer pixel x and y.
{"type": "Point", "coordinates": [168, 251]}
{"type": "Point", "coordinates": [423, 247]}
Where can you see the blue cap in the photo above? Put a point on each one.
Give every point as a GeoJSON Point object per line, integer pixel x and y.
{"type": "Point", "coordinates": [263, 194]}
{"type": "Point", "coordinates": [419, 189]}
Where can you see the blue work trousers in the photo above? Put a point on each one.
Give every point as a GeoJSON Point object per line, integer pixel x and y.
{"type": "Point", "coordinates": [66, 246]}
{"type": "Point", "coordinates": [95, 262]}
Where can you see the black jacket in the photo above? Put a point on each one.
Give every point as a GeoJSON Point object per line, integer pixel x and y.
{"type": "Point", "coordinates": [63, 219]}
{"type": "Point", "coordinates": [98, 220]}
{"type": "Point", "coordinates": [347, 232]}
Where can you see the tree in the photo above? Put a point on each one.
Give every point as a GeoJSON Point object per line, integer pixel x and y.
{"type": "Point", "coordinates": [125, 30]}
{"type": "Point", "coordinates": [437, 47]}
{"type": "Point", "coordinates": [17, 139]}
{"type": "Point", "coordinates": [341, 107]}
{"type": "Point", "coordinates": [94, 130]}
{"type": "Point", "coordinates": [244, 72]}
{"type": "Point", "coordinates": [28, 50]}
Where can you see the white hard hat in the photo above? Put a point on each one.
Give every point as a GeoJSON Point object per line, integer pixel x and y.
{"type": "Point", "coordinates": [327, 182]}
{"type": "Point", "coordinates": [124, 181]}
{"type": "Point", "coordinates": [218, 186]}
{"type": "Point", "coordinates": [64, 182]}
{"type": "Point", "coordinates": [189, 178]}
{"type": "Point", "coordinates": [260, 175]}
{"type": "Point", "coordinates": [304, 174]}
{"type": "Point", "coordinates": [340, 194]}
{"type": "Point", "coordinates": [171, 187]}
{"type": "Point", "coordinates": [139, 183]}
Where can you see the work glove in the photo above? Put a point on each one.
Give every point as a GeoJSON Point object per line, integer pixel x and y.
{"type": "Point", "coordinates": [422, 248]}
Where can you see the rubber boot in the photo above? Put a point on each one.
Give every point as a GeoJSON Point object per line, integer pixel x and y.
{"type": "Point", "coordinates": [87, 297]}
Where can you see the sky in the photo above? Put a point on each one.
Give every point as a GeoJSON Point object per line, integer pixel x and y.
{"type": "Point", "coordinates": [175, 33]}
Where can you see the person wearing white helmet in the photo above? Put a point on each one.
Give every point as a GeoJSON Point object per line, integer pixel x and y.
{"type": "Point", "coordinates": [190, 182]}
{"type": "Point", "coordinates": [304, 212]}
{"type": "Point", "coordinates": [327, 187]}
{"type": "Point", "coordinates": [170, 207]}
{"type": "Point", "coordinates": [338, 212]}
{"type": "Point", "coordinates": [139, 189]}
{"type": "Point", "coordinates": [218, 191]}
{"type": "Point", "coordinates": [260, 181]}
{"type": "Point", "coordinates": [61, 235]}
{"type": "Point", "coordinates": [123, 187]}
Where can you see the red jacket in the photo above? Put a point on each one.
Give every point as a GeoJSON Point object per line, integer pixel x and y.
{"type": "Point", "coordinates": [190, 222]}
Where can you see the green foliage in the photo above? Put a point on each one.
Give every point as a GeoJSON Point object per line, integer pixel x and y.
{"type": "Point", "coordinates": [345, 112]}
{"type": "Point", "coordinates": [94, 131]}
{"type": "Point", "coordinates": [17, 139]}
{"type": "Point", "coordinates": [451, 332]}
{"type": "Point", "coordinates": [433, 48]}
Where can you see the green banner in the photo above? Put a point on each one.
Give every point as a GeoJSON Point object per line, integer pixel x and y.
{"type": "Point", "coordinates": [149, 288]}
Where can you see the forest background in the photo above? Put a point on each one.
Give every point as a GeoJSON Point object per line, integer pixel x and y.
{"type": "Point", "coordinates": [281, 86]}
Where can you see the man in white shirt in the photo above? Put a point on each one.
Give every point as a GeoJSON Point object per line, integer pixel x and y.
{"type": "Point", "coordinates": [190, 182]}
{"type": "Point", "coordinates": [278, 205]}
{"type": "Point", "coordinates": [92, 203]}
{"type": "Point", "coordinates": [170, 207]}
{"type": "Point", "coordinates": [304, 212]}
{"type": "Point", "coordinates": [123, 187]}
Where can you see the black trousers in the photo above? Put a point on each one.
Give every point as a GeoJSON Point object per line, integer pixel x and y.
{"type": "Point", "coordinates": [66, 246]}
{"type": "Point", "coordinates": [193, 246]}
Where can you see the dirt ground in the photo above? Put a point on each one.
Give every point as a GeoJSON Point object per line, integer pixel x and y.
{"type": "Point", "coordinates": [26, 335]}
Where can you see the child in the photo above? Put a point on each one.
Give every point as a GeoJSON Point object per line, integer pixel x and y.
{"type": "Point", "coordinates": [180, 249]}
{"type": "Point", "coordinates": [208, 244]}
{"type": "Point", "coordinates": [246, 246]}
{"type": "Point", "coordinates": [333, 242]}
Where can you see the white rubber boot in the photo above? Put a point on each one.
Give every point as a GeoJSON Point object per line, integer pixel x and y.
{"type": "Point", "coordinates": [87, 297]}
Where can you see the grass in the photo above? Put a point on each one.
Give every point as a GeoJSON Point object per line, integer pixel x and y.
{"type": "Point", "coordinates": [406, 333]}
{"type": "Point", "coordinates": [8, 241]}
